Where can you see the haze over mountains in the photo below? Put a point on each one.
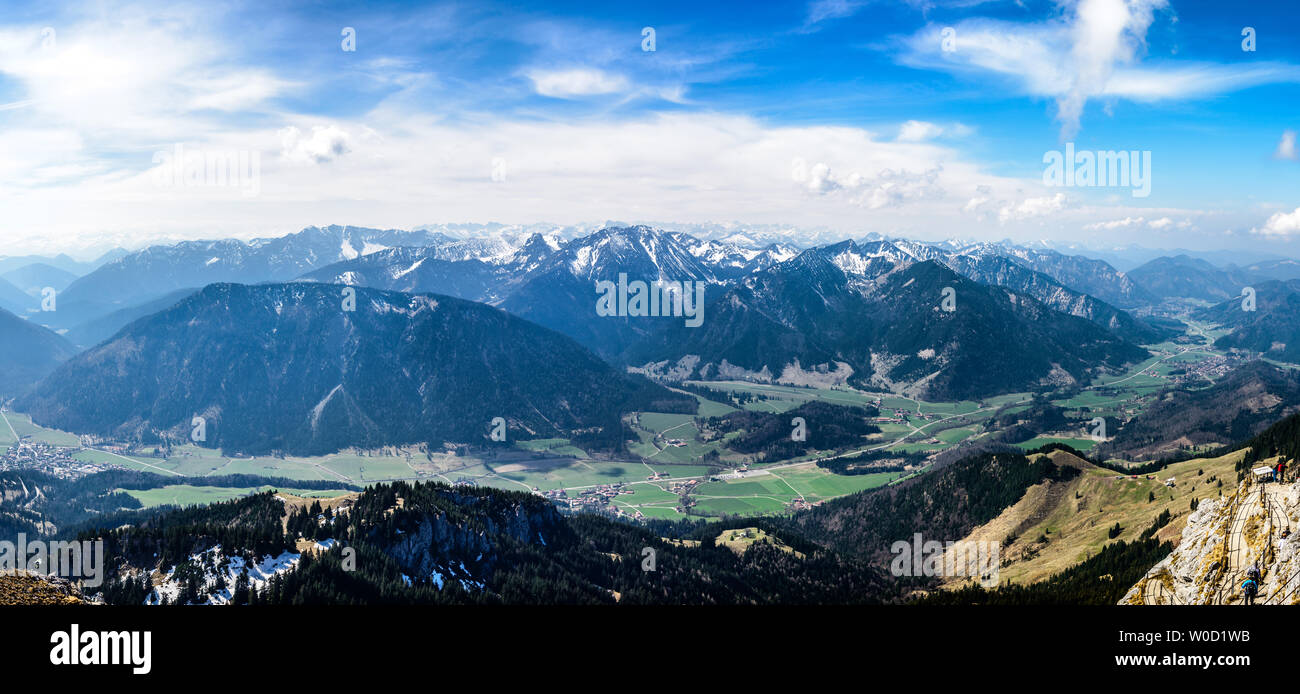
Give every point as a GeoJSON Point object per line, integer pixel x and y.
{"type": "Point", "coordinates": [1271, 327]}
{"type": "Point", "coordinates": [29, 352]}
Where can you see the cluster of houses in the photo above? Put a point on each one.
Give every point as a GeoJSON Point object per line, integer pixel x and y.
{"type": "Point", "coordinates": [901, 417]}
{"type": "Point", "coordinates": [599, 497]}
{"type": "Point", "coordinates": [738, 473]}
{"type": "Point", "coordinates": [52, 460]}
{"type": "Point", "coordinates": [1211, 369]}
{"type": "Point", "coordinates": [683, 487]}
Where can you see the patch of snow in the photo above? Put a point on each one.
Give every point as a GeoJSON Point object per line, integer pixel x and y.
{"type": "Point", "coordinates": [320, 406]}
{"type": "Point", "coordinates": [259, 574]}
{"type": "Point", "coordinates": [409, 270]}
{"type": "Point", "coordinates": [347, 252]}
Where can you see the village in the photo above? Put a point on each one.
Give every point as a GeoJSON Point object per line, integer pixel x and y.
{"type": "Point", "coordinates": [52, 460]}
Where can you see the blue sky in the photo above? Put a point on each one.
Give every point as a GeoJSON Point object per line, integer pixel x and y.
{"type": "Point", "coordinates": [839, 114]}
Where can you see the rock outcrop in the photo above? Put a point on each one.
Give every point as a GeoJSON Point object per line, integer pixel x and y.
{"type": "Point", "coordinates": [1223, 538]}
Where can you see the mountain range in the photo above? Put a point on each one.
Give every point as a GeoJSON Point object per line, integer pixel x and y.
{"type": "Point", "coordinates": [286, 367]}
{"type": "Point", "coordinates": [156, 271]}
{"type": "Point", "coordinates": [841, 315]}
{"type": "Point", "coordinates": [818, 315]}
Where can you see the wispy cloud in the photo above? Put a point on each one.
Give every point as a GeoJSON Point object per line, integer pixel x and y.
{"type": "Point", "coordinates": [920, 131]}
{"type": "Point", "coordinates": [1286, 147]}
{"type": "Point", "coordinates": [1094, 50]}
{"type": "Point", "coordinates": [576, 82]}
{"type": "Point", "coordinates": [822, 10]}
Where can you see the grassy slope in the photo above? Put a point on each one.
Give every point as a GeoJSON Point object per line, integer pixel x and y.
{"type": "Point", "coordinates": [1076, 516]}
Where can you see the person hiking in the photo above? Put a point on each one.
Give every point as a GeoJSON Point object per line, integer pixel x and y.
{"type": "Point", "coordinates": [1281, 468]}
{"type": "Point", "coordinates": [1253, 572]}
{"type": "Point", "coordinates": [1248, 588]}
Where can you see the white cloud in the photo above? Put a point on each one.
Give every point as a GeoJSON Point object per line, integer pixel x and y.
{"type": "Point", "coordinates": [1193, 80]}
{"type": "Point", "coordinates": [127, 74]}
{"type": "Point", "coordinates": [1168, 223]}
{"type": "Point", "coordinates": [978, 204]}
{"type": "Point", "coordinates": [922, 131]}
{"type": "Point", "coordinates": [1280, 225]}
{"type": "Point", "coordinates": [918, 131]}
{"type": "Point", "coordinates": [83, 123]}
{"type": "Point", "coordinates": [402, 169]}
{"type": "Point", "coordinates": [886, 188]}
{"type": "Point", "coordinates": [816, 179]}
{"type": "Point", "coordinates": [822, 10]}
{"type": "Point", "coordinates": [1093, 51]}
{"type": "Point", "coordinates": [565, 84]}
{"type": "Point", "coordinates": [1032, 207]}
{"type": "Point", "coordinates": [1105, 33]}
{"type": "Point", "coordinates": [326, 143]}
{"type": "Point", "coordinates": [1286, 146]}
{"type": "Point", "coordinates": [1115, 224]}
{"type": "Point", "coordinates": [238, 91]}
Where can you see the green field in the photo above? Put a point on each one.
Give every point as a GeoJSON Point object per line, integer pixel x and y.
{"type": "Point", "coordinates": [564, 474]}
{"type": "Point", "coordinates": [710, 408]}
{"type": "Point", "coordinates": [188, 495]}
{"type": "Point", "coordinates": [552, 446]}
{"type": "Point", "coordinates": [22, 426]}
{"type": "Point", "coordinates": [955, 434]}
{"type": "Point", "coordinates": [653, 429]}
{"type": "Point", "coordinates": [772, 492]}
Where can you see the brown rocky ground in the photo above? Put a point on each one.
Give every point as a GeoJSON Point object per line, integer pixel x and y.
{"type": "Point", "coordinates": [30, 589]}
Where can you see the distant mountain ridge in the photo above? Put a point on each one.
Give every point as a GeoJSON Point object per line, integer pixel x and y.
{"type": "Point", "coordinates": [1271, 329]}
{"type": "Point", "coordinates": [882, 326]}
{"type": "Point", "coordinates": [28, 353]}
{"type": "Point", "coordinates": [1183, 276]}
{"type": "Point", "coordinates": [551, 281]}
{"type": "Point", "coordinates": [283, 367]}
{"type": "Point", "coordinates": [1249, 399]}
{"type": "Point", "coordinates": [155, 271]}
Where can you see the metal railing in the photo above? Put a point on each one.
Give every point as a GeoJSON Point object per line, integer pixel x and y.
{"type": "Point", "coordinates": [1162, 592]}
{"type": "Point", "coordinates": [1226, 559]}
